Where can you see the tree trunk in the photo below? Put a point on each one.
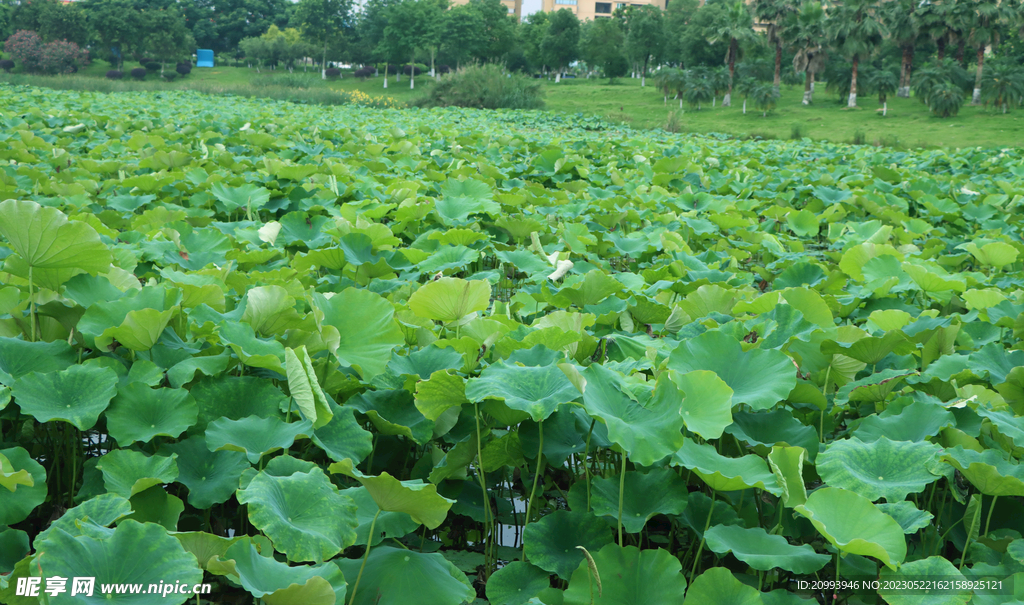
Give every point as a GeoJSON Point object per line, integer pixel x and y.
{"type": "Point", "coordinates": [960, 52]}
{"type": "Point", "coordinates": [853, 83]}
{"type": "Point", "coordinates": [733, 50]}
{"type": "Point", "coordinates": [412, 74]}
{"type": "Point", "coordinates": [808, 79]}
{"type": "Point", "coordinates": [643, 74]}
{"type": "Point", "coordinates": [744, 107]}
{"type": "Point", "coordinates": [433, 74]}
{"type": "Point", "coordinates": [908, 58]}
{"type": "Point", "coordinates": [976, 97]}
{"type": "Point", "coordinates": [386, 66]}
{"type": "Point", "coordinates": [777, 82]}
{"type": "Point", "coordinates": [941, 45]}
{"type": "Point", "coordinates": [323, 64]}
{"type": "Point", "coordinates": [558, 76]}
{"type": "Point", "coordinates": [885, 108]}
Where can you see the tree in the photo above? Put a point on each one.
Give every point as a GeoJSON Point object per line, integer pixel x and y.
{"type": "Point", "coordinates": [601, 42]}
{"type": "Point", "coordinates": [989, 17]}
{"type": "Point", "coordinates": [415, 25]}
{"type": "Point", "coordinates": [645, 37]}
{"type": "Point", "coordinates": [464, 34]}
{"type": "Point", "coordinates": [323, 22]}
{"type": "Point", "coordinates": [1003, 85]}
{"type": "Point", "coordinates": [901, 19]}
{"type": "Point", "coordinates": [774, 14]}
{"type": "Point", "coordinates": [165, 35]}
{"type": "Point", "coordinates": [807, 31]}
{"type": "Point", "coordinates": [530, 35]}
{"type": "Point", "coordinates": [562, 40]}
{"type": "Point", "coordinates": [856, 32]}
{"type": "Point", "coordinates": [678, 19]}
{"type": "Point", "coordinates": [117, 24]}
{"type": "Point", "coordinates": [931, 21]}
{"type": "Point", "coordinates": [735, 25]}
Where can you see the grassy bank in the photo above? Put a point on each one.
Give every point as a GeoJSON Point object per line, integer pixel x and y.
{"type": "Point", "coordinates": [908, 123]}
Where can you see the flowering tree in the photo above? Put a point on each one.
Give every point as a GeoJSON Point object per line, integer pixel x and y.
{"type": "Point", "coordinates": [57, 57]}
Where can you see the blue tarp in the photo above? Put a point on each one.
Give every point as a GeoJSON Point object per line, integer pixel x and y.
{"type": "Point", "coordinates": [204, 58]}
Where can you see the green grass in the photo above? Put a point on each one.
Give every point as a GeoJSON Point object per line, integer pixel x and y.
{"type": "Point", "coordinates": [908, 123]}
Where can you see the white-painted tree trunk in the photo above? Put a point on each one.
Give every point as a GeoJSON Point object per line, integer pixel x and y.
{"type": "Point", "coordinates": [412, 79]}
{"type": "Point", "coordinates": [713, 101]}
{"type": "Point", "coordinates": [903, 91]}
{"type": "Point", "coordinates": [727, 100]}
{"type": "Point", "coordinates": [643, 81]}
{"type": "Point", "coordinates": [852, 101]}
{"type": "Point", "coordinates": [744, 107]}
{"type": "Point", "coordinates": [976, 97]}
{"type": "Point", "coordinates": [885, 108]}
{"type": "Point", "coordinates": [558, 77]}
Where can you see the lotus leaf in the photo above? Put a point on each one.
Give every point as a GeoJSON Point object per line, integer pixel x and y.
{"type": "Point", "coordinates": [394, 576]}
{"type": "Point", "coordinates": [628, 575]}
{"type": "Point", "coordinates": [854, 525]}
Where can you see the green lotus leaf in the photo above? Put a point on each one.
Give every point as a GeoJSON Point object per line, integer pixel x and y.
{"type": "Point", "coordinates": [343, 437]}
{"type": "Point", "coordinates": [387, 525]}
{"type": "Point", "coordinates": [932, 567]}
{"type": "Point", "coordinates": [762, 551]}
{"type": "Point", "coordinates": [910, 518]}
{"type": "Point", "coordinates": [290, 511]}
{"type": "Point", "coordinates": [270, 310]}
{"type": "Point", "coordinates": [253, 351]}
{"type": "Point", "coordinates": [535, 390]}
{"type": "Point", "coordinates": [725, 474]}
{"type": "Point", "coordinates": [305, 387]}
{"type": "Point", "coordinates": [707, 402]}
{"type": "Point", "coordinates": [277, 583]}
{"type": "Point", "coordinates": [27, 488]}
{"type": "Point", "coordinates": [648, 432]}
{"type": "Point", "coordinates": [462, 197]}
{"type": "Point", "coordinates": [628, 575]}
{"type": "Point", "coordinates": [872, 349]}
{"type": "Point", "coordinates": [988, 471]}
{"type": "Point", "coordinates": [775, 427]}
{"type": "Point", "coordinates": [102, 511]}
{"type": "Point", "coordinates": [417, 499]}
{"type": "Point", "coordinates": [1005, 423]}
{"type": "Point", "coordinates": [441, 391]}
{"type": "Point", "coordinates": [154, 505]}
{"type": "Point", "coordinates": [185, 370]}
{"type": "Point", "coordinates": [516, 583]}
{"type": "Point", "coordinates": [880, 469]}
{"type": "Point", "coordinates": [139, 413]}
{"type": "Point", "coordinates": [448, 257]}
{"type": "Point", "coordinates": [45, 239]}
{"type": "Point", "coordinates": [211, 477]}
{"type": "Point", "coordinates": [126, 472]}
{"type": "Point", "coordinates": [19, 358]}
{"type": "Point", "coordinates": [204, 546]}
{"type": "Point", "coordinates": [591, 290]}
{"type": "Point", "coordinates": [139, 331]}
{"type": "Point", "coordinates": [873, 388]}
{"type": "Point", "coordinates": [717, 586]}
{"type": "Point", "coordinates": [368, 330]}
{"type": "Point", "coordinates": [787, 464]}
{"type": "Point", "coordinates": [803, 222]}
{"type": "Point", "coordinates": [134, 553]}
{"type": "Point", "coordinates": [77, 395]}
{"type": "Point", "coordinates": [248, 196]}
{"type": "Point", "coordinates": [450, 299]}
{"type": "Point", "coordinates": [394, 413]}
{"type": "Point", "coordinates": [854, 525]}
{"type": "Point", "coordinates": [915, 422]}
{"type": "Point", "coordinates": [395, 576]}
{"type": "Point", "coordinates": [757, 378]}
{"type": "Point", "coordinates": [14, 546]}
{"type": "Point", "coordinates": [994, 254]}
{"type": "Point", "coordinates": [254, 436]}
{"type": "Point", "coordinates": [565, 433]}
{"type": "Point", "coordinates": [102, 320]}
{"type": "Point", "coordinates": [659, 491]}
{"type": "Point", "coordinates": [551, 541]}
{"type": "Point", "coordinates": [235, 397]}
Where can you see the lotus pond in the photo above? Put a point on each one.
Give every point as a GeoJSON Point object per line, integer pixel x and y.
{"type": "Point", "coordinates": [338, 355]}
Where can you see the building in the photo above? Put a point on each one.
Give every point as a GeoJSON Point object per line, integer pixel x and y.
{"type": "Point", "coordinates": [595, 9]}
{"type": "Point", "coordinates": [515, 7]}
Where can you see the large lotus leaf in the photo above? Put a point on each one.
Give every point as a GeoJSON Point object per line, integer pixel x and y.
{"type": "Point", "coordinates": [270, 310]}
{"type": "Point", "coordinates": [255, 352]}
{"type": "Point", "coordinates": [45, 239]}
{"type": "Point", "coordinates": [1005, 423]}
{"type": "Point", "coordinates": [290, 511]}
{"type": "Point", "coordinates": [992, 474]}
{"type": "Point", "coordinates": [102, 320]}
{"type": "Point", "coordinates": [762, 551]}
{"type": "Point", "coordinates": [717, 586]}
{"type": "Point", "coordinates": [551, 541]}
{"type": "Point", "coordinates": [18, 501]}
{"type": "Point", "coordinates": [395, 576]}
{"type": "Point", "coordinates": [873, 388]}
{"type": "Point", "coordinates": [211, 477]}
{"type": "Point", "coordinates": [139, 413]}
{"type": "Point", "coordinates": [237, 397]}
{"type": "Point", "coordinates": [854, 525]}
{"type": "Point", "coordinates": [367, 326]}
{"type": "Point", "coordinates": [204, 546]}
{"type": "Point", "coordinates": [775, 427]}
{"type": "Point", "coordinates": [248, 196]}
{"type": "Point", "coordinates": [758, 378]}
{"type": "Point", "coordinates": [448, 257]}
{"type": "Point", "coordinates": [140, 330]}
{"type": "Point", "coordinates": [916, 422]}
{"type": "Point", "coordinates": [343, 437]}
{"type": "Point", "coordinates": [440, 392]}
{"type": "Point", "coordinates": [134, 553]}
{"type": "Point", "coordinates": [725, 474]}
{"type": "Point", "coordinates": [394, 413]}
{"type": "Point", "coordinates": [450, 299]}
{"type": "Point", "coordinates": [462, 197]}
{"type": "Point", "coordinates": [787, 464]}
{"type": "Point", "coordinates": [11, 478]}
{"type": "Point", "coordinates": [648, 432]}
{"type": "Point", "coordinates": [154, 505]}
{"type": "Point", "coordinates": [102, 511]}
{"type": "Point", "coordinates": [516, 583]}
{"type": "Point", "coordinates": [592, 289]}
{"type": "Point", "coordinates": [19, 357]}
{"type": "Point", "coordinates": [277, 583]}
{"type": "Point", "coordinates": [387, 525]}
{"type": "Point", "coordinates": [14, 546]}
{"type": "Point", "coordinates": [932, 567]}
{"type": "Point", "coordinates": [305, 387]}
{"type": "Point", "coordinates": [907, 515]}
{"type": "Point", "coordinates": [565, 434]}
{"type": "Point", "coordinates": [254, 436]}
{"type": "Point", "coordinates": [870, 350]}
{"type": "Point", "coordinates": [880, 469]}
{"type": "Point", "coordinates": [660, 491]}
{"type": "Point", "coordinates": [534, 390]}
{"type": "Point", "coordinates": [77, 395]}
{"type": "Point", "coordinates": [629, 576]}
{"type": "Point", "coordinates": [417, 499]}
{"type": "Point", "coordinates": [707, 402]}
{"type": "Point", "coordinates": [185, 370]}
{"type": "Point", "coordinates": [126, 472]}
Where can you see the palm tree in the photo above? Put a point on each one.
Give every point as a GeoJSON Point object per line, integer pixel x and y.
{"type": "Point", "coordinates": [856, 32]}
{"type": "Point", "coordinates": [989, 17]}
{"type": "Point", "coordinates": [931, 21]}
{"type": "Point", "coordinates": [736, 26]}
{"type": "Point", "coordinates": [1003, 85]}
{"type": "Point", "coordinates": [773, 13]}
{"type": "Point", "coordinates": [905, 29]}
{"type": "Point", "coordinates": [806, 30]}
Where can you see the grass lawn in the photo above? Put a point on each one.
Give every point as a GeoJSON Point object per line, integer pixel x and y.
{"type": "Point", "coordinates": [908, 123]}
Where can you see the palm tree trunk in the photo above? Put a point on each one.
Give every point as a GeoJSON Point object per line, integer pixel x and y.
{"type": "Point", "coordinates": [941, 44]}
{"type": "Point", "coordinates": [808, 89]}
{"type": "Point", "coordinates": [908, 58]}
{"type": "Point", "coordinates": [976, 97]}
{"type": "Point", "coordinates": [853, 83]}
{"type": "Point", "coordinates": [960, 52]}
{"type": "Point", "coordinates": [727, 99]}
{"type": "Point", "coordinates": [777, 82]}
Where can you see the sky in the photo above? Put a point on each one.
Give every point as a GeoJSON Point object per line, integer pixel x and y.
{"type": "Point", "coordinates": [531, 6]}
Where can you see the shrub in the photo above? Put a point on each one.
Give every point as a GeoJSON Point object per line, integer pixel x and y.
{"type": "Point", "coordinates": [411, 70]}
{"type": "Point", "coordinates": [945, 99]}
{"type": "Point", "coordinates": [143, 61]}
{"type": "Point", "coordinates": [485, 87]}
{"type": "Point", "coordinates": [1003, 85]}
{"type": "Point", "coordinates": [443, 69]}
{"type": "Point", "coordinates": [7, 65]}
{"type": "Point", "coordinates": [152, 66]}
{"type": "Point", "coordinates": [61, 57]}
{"type": "Point", "coordinates": [183, 68]}
{"type": "Point", "coordinates": [332, 72]}
{"type": "Point", "coordinates": [364, 72]}
{"type": "Point", "coordinates": [25, 47]}
{"type": "Point", "coordinates": [169, 76]}
{"type": "Point", "coordinates": [113, 74]}
{"type": "Point", "coordinates": [139, 73]}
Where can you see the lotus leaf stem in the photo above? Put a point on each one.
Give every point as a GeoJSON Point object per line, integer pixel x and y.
{"type": "Point", "coordinates": [536, 476]}
{"type": "Point", "coordinates": [366, 555]}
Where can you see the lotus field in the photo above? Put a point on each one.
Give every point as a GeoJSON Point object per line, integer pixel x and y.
{"type": "Point", "coordinates": [318, 355]}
